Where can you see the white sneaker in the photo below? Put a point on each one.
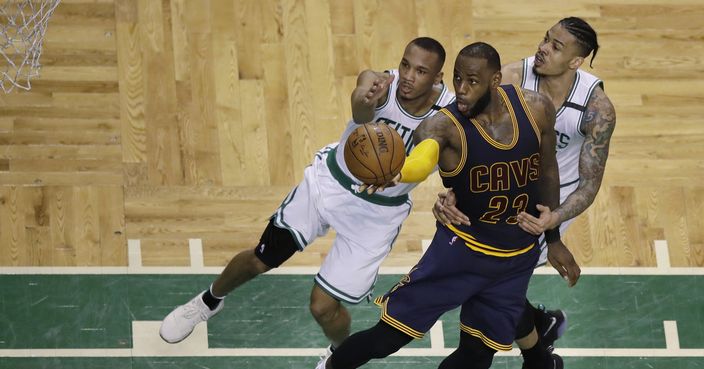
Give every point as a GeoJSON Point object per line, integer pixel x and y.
{"type": "Point", "coordinates": [324, 358]}
{"type": "Point", "coordinates": [181, 321]}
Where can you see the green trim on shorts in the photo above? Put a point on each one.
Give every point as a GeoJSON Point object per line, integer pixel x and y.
{"type": "Point", "coordinates": [349, 185]}
{"type": "Point", "coordinates": [339, 295]}
{"type": "Point", "coordinates": [278, 219]}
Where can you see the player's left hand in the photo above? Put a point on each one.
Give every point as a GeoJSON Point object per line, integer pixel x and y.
{"type": "Point", "coordinates": [371, 189]}
{"type": "Point", "coordinates": [562, 260]}
{"type": "Point", "coordinates": [548, 220]}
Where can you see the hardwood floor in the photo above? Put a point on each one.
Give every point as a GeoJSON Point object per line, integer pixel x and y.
{"type": "Point", "coordinates": [168, 120]}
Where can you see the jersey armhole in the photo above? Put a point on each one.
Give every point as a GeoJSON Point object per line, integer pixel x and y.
{"type": "Point", "coordinates": [580, 129]}
{"type": "Point", "coordinates": [463, 139]}
{"type": "Point", "coordinates": [532, 120]}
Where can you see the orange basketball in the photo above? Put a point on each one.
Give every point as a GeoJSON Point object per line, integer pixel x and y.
{"type": "Point", "coordinates": [374, 153]}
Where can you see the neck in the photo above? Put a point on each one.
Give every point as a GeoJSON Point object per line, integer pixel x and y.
{"type": "Point", "coordinates": [557, 87]}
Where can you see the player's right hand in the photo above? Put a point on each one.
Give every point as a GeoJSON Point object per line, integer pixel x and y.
{"type": "Point", "coordinates": [379, 88]}
{"type": "Point", "coordinates": [371, 188]}
{"type": "Point", "coordinates": [445, 211]}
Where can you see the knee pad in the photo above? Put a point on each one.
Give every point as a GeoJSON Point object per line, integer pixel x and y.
{"type": "Point", "coordinates": [275, 246]}
{"type": "Point", "coordinates": [527, 321]}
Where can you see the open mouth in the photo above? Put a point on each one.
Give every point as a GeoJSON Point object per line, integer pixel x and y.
{"type": "Point", "coordinates": [462, 107]}
{"type": "Point", "coordinates": [539, 59]}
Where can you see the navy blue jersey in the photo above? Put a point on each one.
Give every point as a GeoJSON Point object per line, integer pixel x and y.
{"type": "Point", "coordinates": [494, 181]}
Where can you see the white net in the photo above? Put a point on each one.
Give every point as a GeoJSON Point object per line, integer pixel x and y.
{"type": "Point", "coordinates": [22, 27]}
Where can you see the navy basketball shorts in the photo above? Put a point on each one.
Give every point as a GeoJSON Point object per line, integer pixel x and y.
{"type": "Point", "coordinates": [491, 291]}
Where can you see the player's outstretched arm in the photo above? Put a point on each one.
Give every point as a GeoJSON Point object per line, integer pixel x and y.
{"type": "Point", "coordinates": [371, 91]}
{"type": "Point", "coordinates": [598, 125]}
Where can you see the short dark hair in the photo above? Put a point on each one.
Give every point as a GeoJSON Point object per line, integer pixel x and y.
{"type": "Point", "coordinates": [584, 33]}
{"type": "Point", "coordinates": [483, 50]}
{"type": "Point", "coordinates": [431, 45]}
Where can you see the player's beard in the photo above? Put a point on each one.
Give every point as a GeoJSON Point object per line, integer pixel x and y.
{"type": "Point", "coordinates": [480, 105]}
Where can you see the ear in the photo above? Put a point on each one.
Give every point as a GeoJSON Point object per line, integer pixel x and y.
{"type": "Point", "coordinates": [496, 79]}
{"type": "Point", "coordinates": [576, 62]}
{"type": "Point", "coordinates": [438, 78]}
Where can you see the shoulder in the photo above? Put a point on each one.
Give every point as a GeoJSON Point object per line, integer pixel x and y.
{"type": "Point", "coordinates": [512, 73]}
{"type": "Point", "coordinates": [600, 113]}
{"type": "Point", "coordinates": [598, 101]}
{"type": "Point", "coordinates": [539, 103]}
{"type": "Point", "coordinates": [542, 109]}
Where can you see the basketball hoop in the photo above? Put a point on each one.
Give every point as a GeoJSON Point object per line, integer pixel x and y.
{"type": "Point", "coordinates": [22, 27]}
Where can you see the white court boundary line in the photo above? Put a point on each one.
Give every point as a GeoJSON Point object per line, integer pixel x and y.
{"type": "Point", "coordinates": [197, 267]}
{"type": "Point", "coordinates": [314, 352]}
{"type": "Point", "coordinates": [148, 344]}
{"type": "Point", "coordinates": [437, 340]}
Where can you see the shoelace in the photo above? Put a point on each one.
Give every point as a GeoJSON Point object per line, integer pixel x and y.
{"type": "Point", "coordinates": [192, 309]}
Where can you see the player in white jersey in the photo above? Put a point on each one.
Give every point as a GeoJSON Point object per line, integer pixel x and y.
{"type": "Point", "coordinates": [585, 121]}
{"type": "Point", "coordinates": [366, 225]}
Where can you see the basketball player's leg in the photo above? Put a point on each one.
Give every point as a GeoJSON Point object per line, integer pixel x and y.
{"type": "Point", "coordinates": [347, 274]}
{"type": "Point", "coordinates": [331, 316]}
{"type": "Point", "coordinates": [275, 247]}
{"type": "Point", "coordinates": [471, 353]}
{"type": "Point", "coordinates": [295, 224]}
{"type": "Point", "coordinates": [539, 329]}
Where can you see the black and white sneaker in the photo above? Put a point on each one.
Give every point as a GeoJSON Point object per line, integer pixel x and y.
{"type": "Point", "coordinates": [554, 361]}
{"type": "Point", "coordinates": [557, 362]}
{"type": "Point", "coordinates": [551, 325]}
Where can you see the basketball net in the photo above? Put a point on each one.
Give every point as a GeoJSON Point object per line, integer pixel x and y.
{"type": "Point", "coordinates": [22, 27]}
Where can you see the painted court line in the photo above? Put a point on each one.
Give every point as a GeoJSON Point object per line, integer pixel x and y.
{"type": "Point", "coordinates": [195, 248]}
{"type": "Point", "coordinates": [662, 254]}
{"type": "Point", "coordinates": [197, 266]}
{"type": "Point", "coordinates": [147, 343]}
{"type": "Point", "coordinates": [672, 337]}
{"type": "Point", "coordinates": [437, 337]}
{"type": "Point", "coordinates": [314, 352]}
{"type": "Point", "coordinates": [134, 253]}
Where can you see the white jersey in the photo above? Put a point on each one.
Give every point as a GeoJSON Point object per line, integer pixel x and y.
{"type": "Point", "coordinates": [568, 119]}
{"type": "Point", "coordinates": [393, 114]}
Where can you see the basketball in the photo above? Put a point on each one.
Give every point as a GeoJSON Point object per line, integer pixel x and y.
{"type": "Point", "coordinates": [374, 153]}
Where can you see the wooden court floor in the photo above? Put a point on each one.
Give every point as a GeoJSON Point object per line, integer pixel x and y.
{"type": "Point", "coordinates": [166, 121]}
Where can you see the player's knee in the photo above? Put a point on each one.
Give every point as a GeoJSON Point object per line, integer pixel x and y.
{"type": "Point", "coordinates": [256, 266]}
{"type": "Point", "coordinates": [387, 340]}
{"type": "Point", "coordinates": [472, 353]}
{"type": "Point", "coordinates": [322, 308]}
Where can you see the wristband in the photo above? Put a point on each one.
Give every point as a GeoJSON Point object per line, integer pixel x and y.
{"type": "Point", "coordinates": [552, 235]}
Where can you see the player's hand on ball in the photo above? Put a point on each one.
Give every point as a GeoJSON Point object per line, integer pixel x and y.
{"type": "Point", "coordinates": [371, 188]}
{"type": "Point", "coordinates": [445, 211]}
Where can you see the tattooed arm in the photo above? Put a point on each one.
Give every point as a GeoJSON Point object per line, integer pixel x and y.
{"type": "Point", "coordinates": [598, 124]}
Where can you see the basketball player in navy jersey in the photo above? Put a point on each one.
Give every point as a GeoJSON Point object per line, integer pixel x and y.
{"type": "Point", "coordinates": [585, 122]}
{"type": "Point", "coordinates": [495, 146]}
